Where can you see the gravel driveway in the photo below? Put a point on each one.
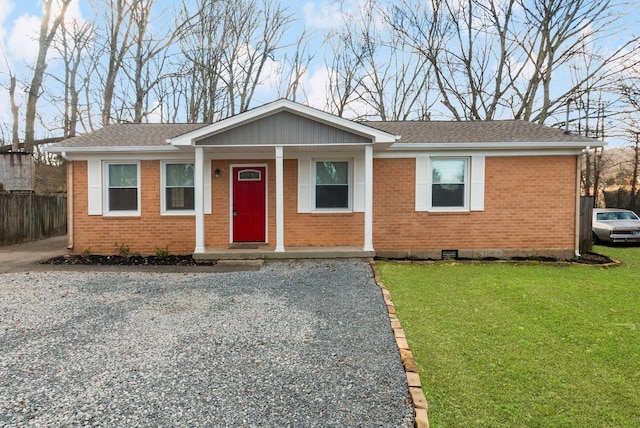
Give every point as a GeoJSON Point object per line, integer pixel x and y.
{"type": "Point", "coordinates": [294, 344]}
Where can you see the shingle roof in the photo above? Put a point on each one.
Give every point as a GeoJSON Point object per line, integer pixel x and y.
{"type": "Point", "coordinates": [131, 134]}
{"type": "Point", "coordinates": [497, 131]}
{"type": "Point", "coordinates": [507, 131]}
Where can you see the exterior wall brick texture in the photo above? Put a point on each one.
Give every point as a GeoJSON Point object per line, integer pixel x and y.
{"type": "Point", "coordinates": [529, 204]}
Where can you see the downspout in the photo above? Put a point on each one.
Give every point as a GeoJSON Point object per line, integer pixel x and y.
{"type": "Point", "coordinates": [69, 200]}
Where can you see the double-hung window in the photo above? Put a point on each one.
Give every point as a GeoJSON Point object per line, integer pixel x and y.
{"type": "Point", "coordinates": [178, 192]}
{"type": "Point", "coordinates": [449, 181]}
{"type": "Point", "coordinates": [332, 185]}
{"type": "Point", "coordinates": [123, 188]}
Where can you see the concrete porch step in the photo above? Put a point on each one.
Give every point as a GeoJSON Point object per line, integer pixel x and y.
{"type": "Point", "coordinates": [268, 253]}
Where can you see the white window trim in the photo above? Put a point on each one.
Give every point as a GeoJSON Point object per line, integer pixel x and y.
{"type": "Point", "coordinates": [467, 187]}
{"type": "Point", "coordinates": [312, 196]}
{"type": "Point", "coordinates": [474, 183]}
{"type": "Point", "coordinates": [163, 188]}
{"type": "Point", "coordinates": [105, 190]}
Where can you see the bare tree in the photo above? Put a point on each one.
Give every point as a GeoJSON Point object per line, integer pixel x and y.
{"type": "Point", "coordinates": [499, 58]}
{"type": "Point", "coordinates": [630, 90]}
{"type": "Point", "coordinates": [227, 48]}
{"type": "Point", "coordinates": [72, 44]}
{"type": "Point", "coordinates": [468, 46]}
{"type": "Point", "coordinates": [294, 67]}
{"type": "Point", "coordinates": [150, 54]}
{"type": "Point", "coordinates": [116, 38]}
{"type": "Point", "coordinates": [47, 33]}
{"type": "Point", "coordinates": [343, 73]}
{"type": "Point", "coordinates": [15, 109]}
{"type": "Point", "coordinates": [254, 36]}
{"type": "Point", "coordinates": [196, 84]}
{"type": "Point", "coordinates": [374, 70]}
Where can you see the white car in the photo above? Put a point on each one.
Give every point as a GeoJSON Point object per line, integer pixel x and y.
{"type": "Point", "coordinates": [615, 225]}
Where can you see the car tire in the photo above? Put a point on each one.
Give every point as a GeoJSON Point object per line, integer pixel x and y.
{"type": "Point", "coordinates": [594, 238]}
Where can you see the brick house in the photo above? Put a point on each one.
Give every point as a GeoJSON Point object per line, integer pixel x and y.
{"type": "Point", "coordinates": [285, 180]}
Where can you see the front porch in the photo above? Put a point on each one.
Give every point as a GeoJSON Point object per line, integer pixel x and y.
{"type": "Point", "coordinates": [264, 252]}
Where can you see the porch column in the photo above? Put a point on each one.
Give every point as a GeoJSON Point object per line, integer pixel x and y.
{"type": "Point", "coordinates": [199, 199]}
{"type": "Point", "coordinates": [368, 198]}
{"type": "Point", "coordinates": [279, 201]}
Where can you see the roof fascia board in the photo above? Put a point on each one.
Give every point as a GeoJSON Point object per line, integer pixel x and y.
{"type": "Point", "coordinates": [496, 145]}
{"type": "Point", "coordinates": [492, 153]}
{"type": "Point", "coordinates": [275, 107]}
{"type": "Point", "coordinates": [112, 149]}
{"type": "Point", "coordinates": [176, 156]}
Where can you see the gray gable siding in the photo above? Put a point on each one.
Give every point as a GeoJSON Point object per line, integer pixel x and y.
{"type": "Point", "coordinates": [283, 128]}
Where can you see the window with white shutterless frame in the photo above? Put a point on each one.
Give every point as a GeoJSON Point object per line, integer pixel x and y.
{"type": "Point", "coordinates": [121, 188]}
{"type": "Point", "coordinates": [322, 190]}
{"type": "Point", "coordinates": [332, 185]}
{"type": "Point", "coordinates": [177, 193]}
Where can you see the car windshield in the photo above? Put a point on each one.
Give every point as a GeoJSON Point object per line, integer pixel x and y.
{"type": "Point", "coordinates": [616, 215]}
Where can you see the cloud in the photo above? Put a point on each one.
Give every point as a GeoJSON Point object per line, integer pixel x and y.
{"type": "Point", "coordinates": [315, 87]}
{"type": "Point", "coordinates": [6, 7]}
{"type": "Point", "coordinates": [322, 15]}
{"type": "Point", "coordinates": [22, 43]}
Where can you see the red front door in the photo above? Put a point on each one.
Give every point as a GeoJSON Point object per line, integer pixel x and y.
{"type": "Point", "coordinates": [249, 204]}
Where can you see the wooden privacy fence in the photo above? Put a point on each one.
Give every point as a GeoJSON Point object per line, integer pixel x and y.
{"type": "Point", "coordinates": [586, 214]}
{"type": "Point", "coordinates": [30, 217]}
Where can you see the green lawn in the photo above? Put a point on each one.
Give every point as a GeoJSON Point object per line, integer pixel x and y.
{"type": "Point", "coordinates": [508, 345]}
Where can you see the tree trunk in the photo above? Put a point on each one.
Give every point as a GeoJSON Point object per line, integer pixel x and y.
{"type": "Point", "coordinates": [15, 109]}
{"type": "Point", "coordinates": [44, 41]}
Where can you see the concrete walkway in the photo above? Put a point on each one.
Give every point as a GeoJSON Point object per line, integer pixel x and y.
{"type": "Point", "coordinates": [27, 256]}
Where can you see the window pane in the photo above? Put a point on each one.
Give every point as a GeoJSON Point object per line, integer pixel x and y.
{"type": "Point", "coordinates": [448, 171]}
{"type": "Point", "coordinates": [448, 195]}
{"type": "Point", "coordinates": [123, 175]}
{"type": "Point", "coordinates": [123, 199]}
{"type": "Point", "coordinates": [332, 196]}
{"type": "Point", "coordinates": [179, 174]}
{"type": "Point", "coordinates": [249, 175]}
{"type": "Point", "coordinates": [180, 198]}
{"type": "Point", "coordinates": [332, 172]}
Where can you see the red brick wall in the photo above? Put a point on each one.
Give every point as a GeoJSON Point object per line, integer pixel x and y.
{"type": "Point", "coordinates": [312, 229]}
{"type": "Point", "coordinates": [529, 204]}
{"type": "Point", "coordinates": [142, 234]}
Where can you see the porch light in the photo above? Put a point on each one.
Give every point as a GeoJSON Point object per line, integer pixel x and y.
{"type": "Point", "coordinates": [217, 173]}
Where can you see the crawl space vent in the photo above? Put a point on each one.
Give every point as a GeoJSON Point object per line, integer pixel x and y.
{"type": "Point", "coordinates": [449, 254]}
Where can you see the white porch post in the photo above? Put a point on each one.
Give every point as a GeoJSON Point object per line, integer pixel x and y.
{"type": "Point", "coordinates": [279, 201]}
{"type": "Point", "coordinates": [368, 198]}
{"type": "Point", "coordinates": [199, 199]}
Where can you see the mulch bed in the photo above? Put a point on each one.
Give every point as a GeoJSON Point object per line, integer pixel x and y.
{"type": "Point", "coordinates": [594, 259]}
{"type": "Point", "coordinates": [171, 260]}
{"type": "Point", "coordinates": [586, 258]}
{"type": "Point", "coordinates": [188, 260]}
